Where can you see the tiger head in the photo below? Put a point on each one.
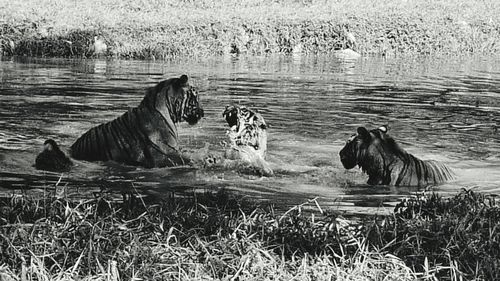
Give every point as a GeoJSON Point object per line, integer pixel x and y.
{"type": "Point", "coordinates": [51, 145]}
{"type": "Point", "coordinates": [176, 97]}
{"type": "Point", "coordinates": [247, 127]}
{"type": "Point", "coordinates": [240, 115]}
{"type": "Point", "coordinates": [190, 108]}
{"type": "Point", "coordinates": [367, 146]}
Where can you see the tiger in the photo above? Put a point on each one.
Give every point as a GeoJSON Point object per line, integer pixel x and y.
{"type": "Point", "coordinates": [247, 137]}
{"type": "Point", "coordinates": [147, 134]}
{"type": "Point", "coordinates": [386, 163]}
{"type": "Point", "coordinates": [52, 158]}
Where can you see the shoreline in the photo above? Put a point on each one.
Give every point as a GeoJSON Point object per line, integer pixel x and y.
{"type": "Point", "coordinates": [203, 28]}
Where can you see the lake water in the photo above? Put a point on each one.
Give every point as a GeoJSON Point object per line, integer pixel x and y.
{"type": "Point", "coordinates": [442, 108]}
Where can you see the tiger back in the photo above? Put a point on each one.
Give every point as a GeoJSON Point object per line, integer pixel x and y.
{"type": "Point", "coordinates": [417, 172]}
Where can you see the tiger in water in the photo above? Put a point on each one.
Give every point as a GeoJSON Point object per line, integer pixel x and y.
{"type": "Point", "coordinates": [52, 158]}
{"type": "Point", "coordinates": [386, 163]}
{"type": "Point", "coordinates": [247, 137]}
{"type": "Point", "coordinates": [147, 134]}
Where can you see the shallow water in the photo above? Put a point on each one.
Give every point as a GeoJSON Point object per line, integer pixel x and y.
{"type": "Point", "coordinates": [446, 109]}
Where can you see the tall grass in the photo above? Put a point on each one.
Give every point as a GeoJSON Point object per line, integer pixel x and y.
{"type": "Point", "coordinates": [202, 237]}
{"type": "Point", "coordinates": [161, 29]}
{"type": "Point", "coordinates": [217, 236]}
{"type": "Point", "coordinates": [454, 239]}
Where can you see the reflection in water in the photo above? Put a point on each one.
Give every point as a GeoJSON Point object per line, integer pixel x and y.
{"type": "Point", "coordinates": [442, 109]}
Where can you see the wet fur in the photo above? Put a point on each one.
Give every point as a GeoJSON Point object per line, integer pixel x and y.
{"type": "Point", "coordinates": [52, 158]}
{"type": "Point", "coordinates": [386, 163]}
{"type": "Point", "coordinates": [147, 134]}
{"type": "Point", "coordinates": [247, 137]}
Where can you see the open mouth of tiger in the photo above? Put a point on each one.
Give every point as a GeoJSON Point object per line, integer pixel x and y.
{"type": "Point", "coordinates": [242, 127]}
{"type": "Point", "coordinates": [193, 116]}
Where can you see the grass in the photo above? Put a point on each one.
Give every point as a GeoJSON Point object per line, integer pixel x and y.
{"type": "Point", "coordinates": [200, 237]}
{"type": "Point", "coordinates": [154, 29]}
{"type": "Point", "coordinates": [218, 236]}
{"type": "Point", "coordinates": [456, 237]}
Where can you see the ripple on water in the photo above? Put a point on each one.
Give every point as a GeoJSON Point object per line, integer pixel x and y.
{"type": "Point", "coordinates": [443, 109]}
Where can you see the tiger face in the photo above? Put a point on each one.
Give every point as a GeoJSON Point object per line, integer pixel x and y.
{"type": "Point", "coordinates": [191, 111]}
{"type": "Point", "coordinates": [247, 127]}
{"type": "Point", "coordinates": [348, 153]}
{"type": "Point", "coordinates": [186, 101]}
{"type": "Point", "coordinates": [364, 143]}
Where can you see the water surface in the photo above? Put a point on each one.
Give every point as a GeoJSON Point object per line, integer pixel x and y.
{"type": "Point", "coordinates": [446, 109]}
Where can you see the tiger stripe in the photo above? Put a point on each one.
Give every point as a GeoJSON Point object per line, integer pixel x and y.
{"type": "Point", "coordinates": [247, 138]}
{"type": "Point", "coordinates": [147, 134]}
{"type": "Point", "coordinates": [386, 163]}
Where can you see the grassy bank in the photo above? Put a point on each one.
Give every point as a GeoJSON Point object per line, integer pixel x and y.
{"type": "Point", "coordinates": [215, 236]}
{"type": "Point", "coordinates": [167, 28]}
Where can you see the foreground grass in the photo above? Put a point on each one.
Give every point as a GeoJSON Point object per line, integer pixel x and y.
{"type": "Point", "coordinates": [453, 238]}
{"type": "Point", "coordinates": [204, 237]}
{"type": "Point", "coordinates": [213, 236]}
{"type": "Point", "coordinates": [167, 28]}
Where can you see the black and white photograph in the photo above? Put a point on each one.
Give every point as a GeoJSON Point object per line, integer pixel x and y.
{"type": "Point", "coordinates": [249, 140]}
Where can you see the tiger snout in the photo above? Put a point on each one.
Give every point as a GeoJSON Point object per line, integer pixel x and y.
{"type": "Point", "coordinates": [194, 115]}
{"type": "Point", "coordinates": [348, 161]}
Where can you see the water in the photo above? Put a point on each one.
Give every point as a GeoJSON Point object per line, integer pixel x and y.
{"type": "Point", "coordinates": [446, 109]}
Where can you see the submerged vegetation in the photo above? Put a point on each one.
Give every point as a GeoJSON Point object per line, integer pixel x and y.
{"type": "Point", "coordinates": [155, 29]}
{"type": "Point", "coordinates": [215, 236]}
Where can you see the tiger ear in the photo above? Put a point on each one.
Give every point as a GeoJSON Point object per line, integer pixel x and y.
{"type": "Point", "coordinates": [183, 79]}
{"type": "Point", "coordinates": [227, 111]}
{"type": "Point", "coordinates": [383, 128]}
{"type": "Point", "coordinates": [180, 82]}
{"type": "Point", "coordinates": [363, 133]}
{"type": "Point", "coordinates": [261, 123]}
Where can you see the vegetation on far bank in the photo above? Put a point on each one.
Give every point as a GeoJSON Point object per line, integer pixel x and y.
{"type": "Point", "coordinates": [166, 28]}
{"type": "Point", "coordinates": [217, 236]}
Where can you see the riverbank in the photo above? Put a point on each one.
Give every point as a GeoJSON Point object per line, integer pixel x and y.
{"type": "Point", "coordinates": [152, 29]}
{"type": "Point", "coordinates": [216, 236]}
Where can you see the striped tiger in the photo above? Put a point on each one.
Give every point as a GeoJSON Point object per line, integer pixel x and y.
{"type": "Point", "coordinates": [247, 128]}
{"type": "Point", "coordinates": [386, 163]}
{"type": "Point", "coordinates": [247, 137]}
{"type": "Point", "coordinates": [147, 134]}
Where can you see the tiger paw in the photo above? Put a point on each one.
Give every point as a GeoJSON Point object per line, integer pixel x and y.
{"type": "Point", "coordinates": [212, 160]}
